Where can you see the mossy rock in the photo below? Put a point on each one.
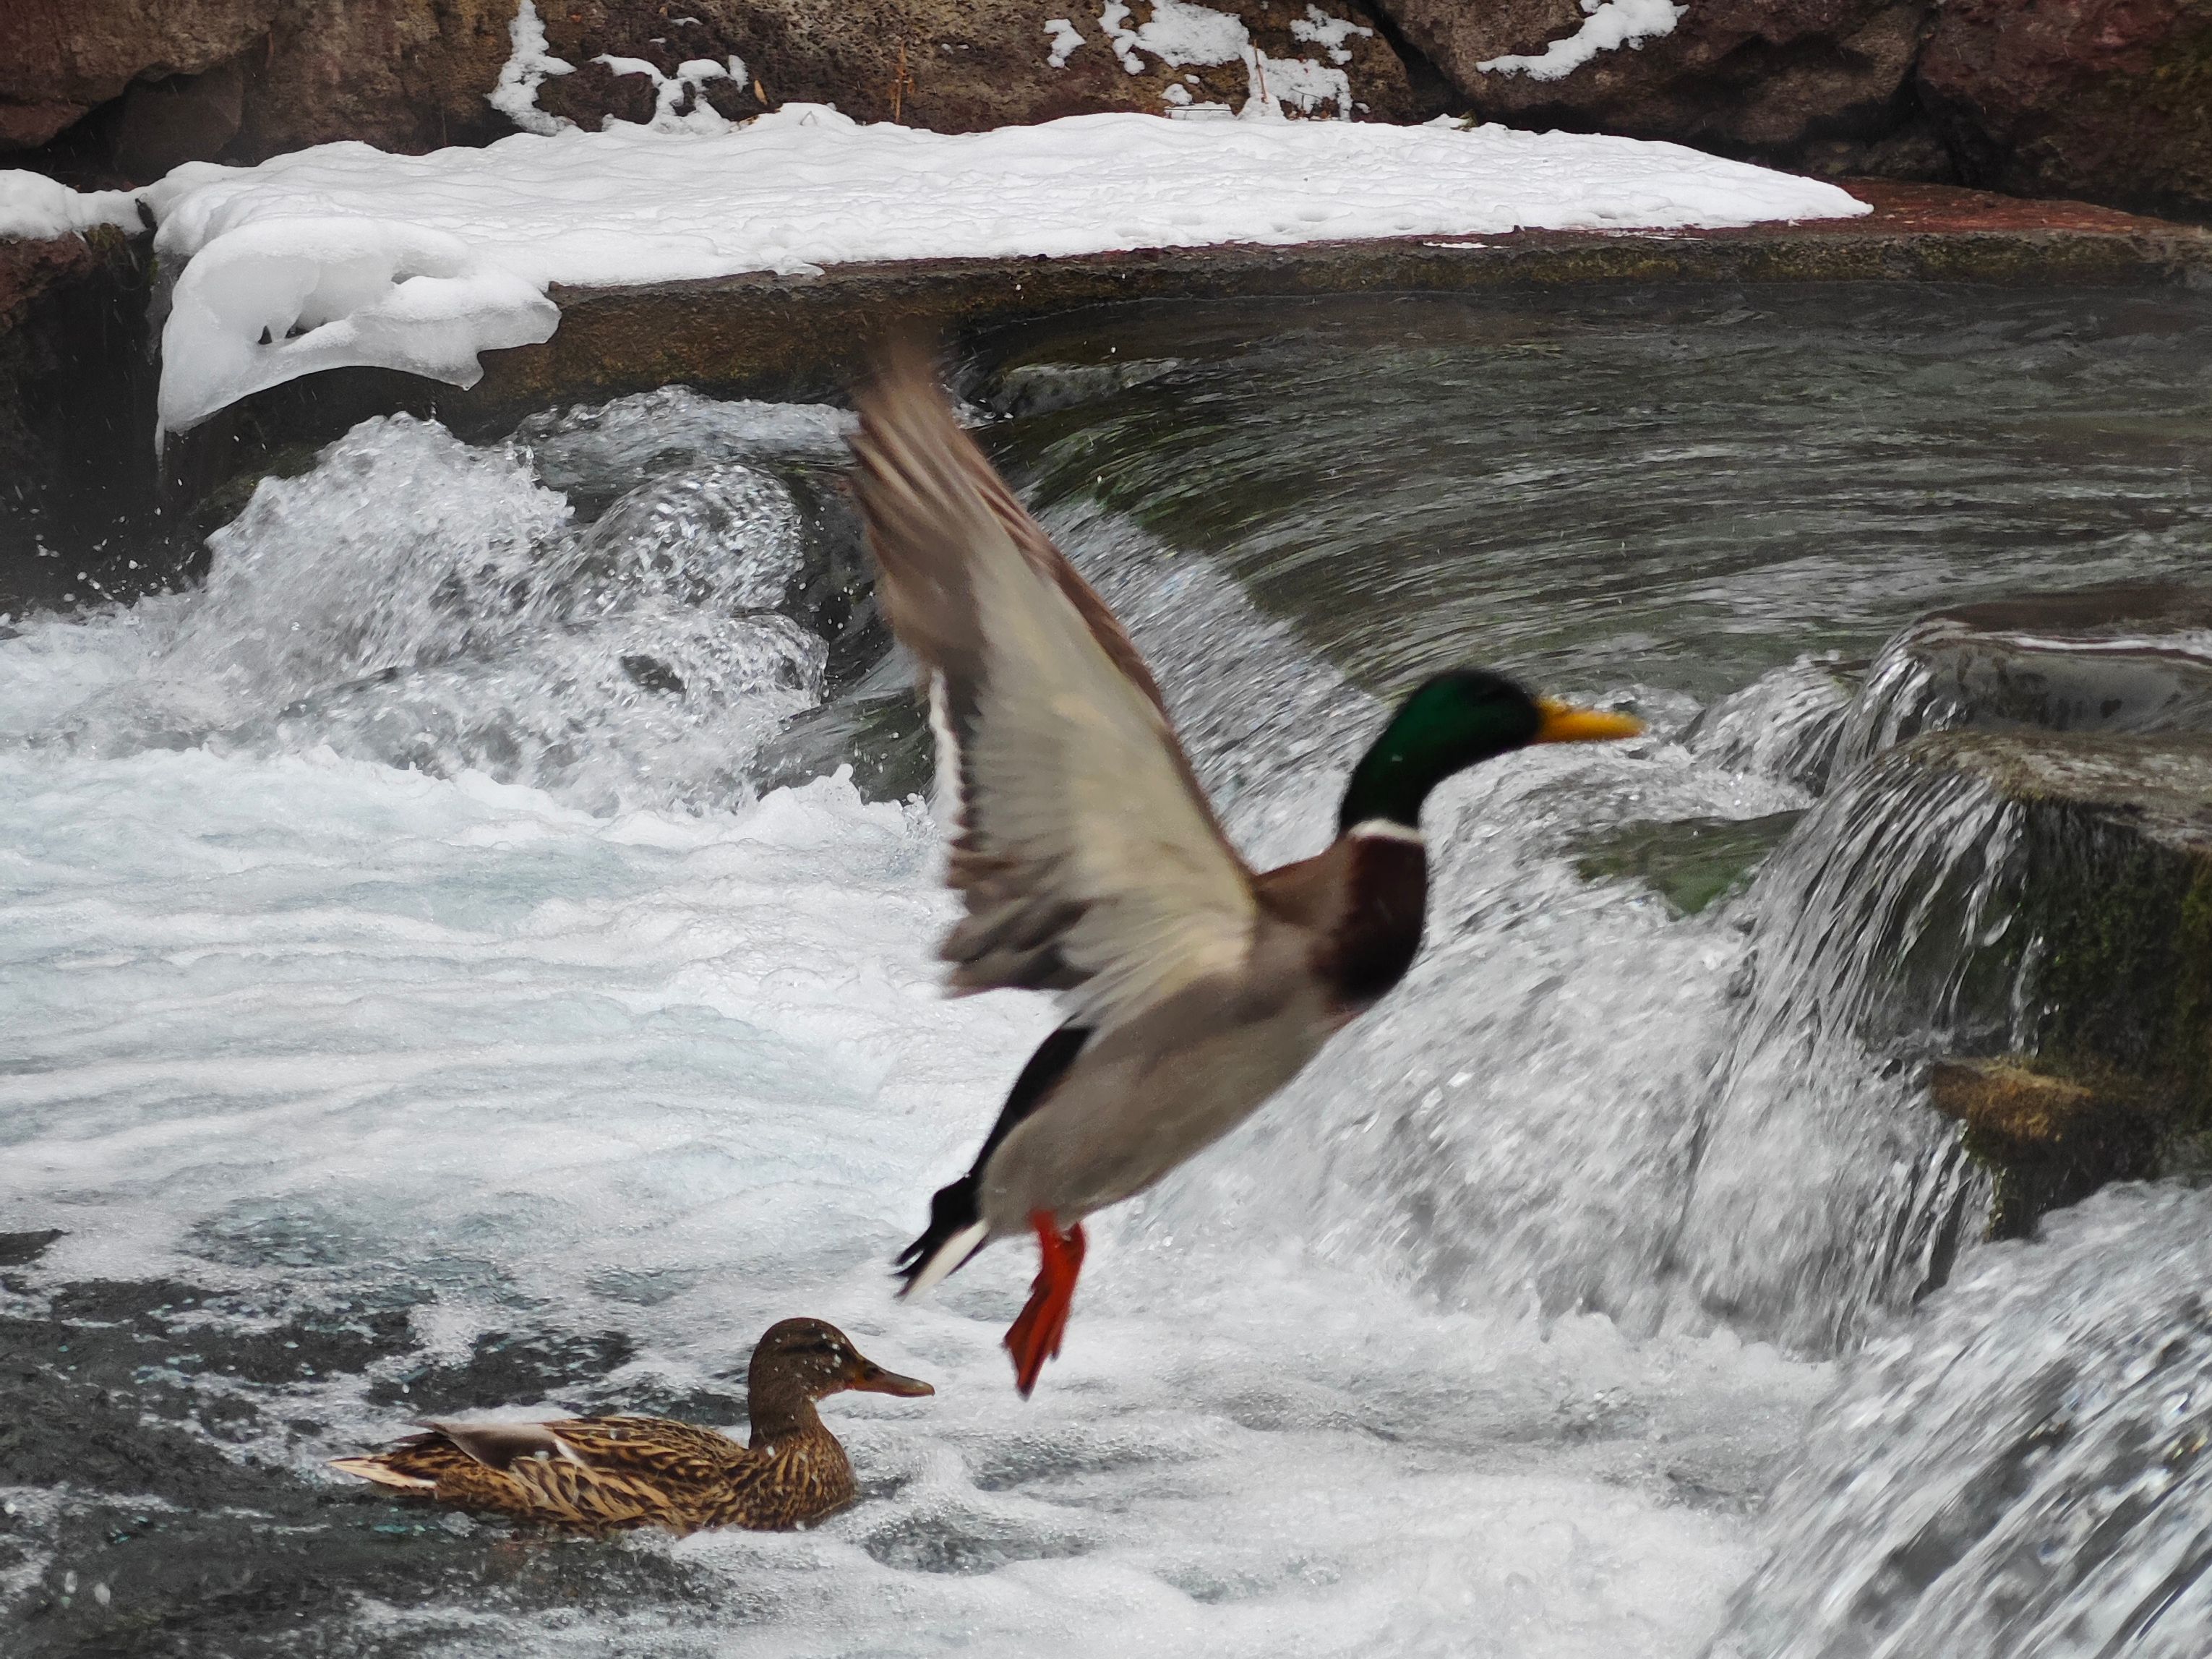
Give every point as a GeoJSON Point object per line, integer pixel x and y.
{"type": "Point", "coordinates": [2109, 953]}
{"type": "Point", "coordinates": [2048, 1140]}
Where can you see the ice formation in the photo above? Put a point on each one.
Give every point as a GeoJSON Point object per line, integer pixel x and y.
{"type": "Point", "coordinates": [34, 205]}
{"type": "Point", "coordinates": [1608, 26]}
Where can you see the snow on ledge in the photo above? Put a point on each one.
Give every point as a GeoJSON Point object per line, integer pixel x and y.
{"type": "Point", "coordinates": [35, 206]}
{"type": "Point", "coordinates": [1607, 26]}
{"type": "Point", "coordinates": [342, 255]}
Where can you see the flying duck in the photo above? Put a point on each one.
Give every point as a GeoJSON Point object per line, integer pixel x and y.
{"type": "Point", "coordinates": [1091, 865]}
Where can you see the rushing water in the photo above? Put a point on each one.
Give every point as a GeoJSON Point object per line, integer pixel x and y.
{"type": "Point", "coordinates": [438, 977]}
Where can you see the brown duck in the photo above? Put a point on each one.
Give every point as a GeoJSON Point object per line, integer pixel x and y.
{"type": "Point", "coordinates": [598, 1473]}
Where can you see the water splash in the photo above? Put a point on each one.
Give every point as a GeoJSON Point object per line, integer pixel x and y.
{"type": "Point", "coordinates": [2024, 1471]}
{"type": "Point", "coordinates": [1784, 726]}
{"type": "Point", "coordinates": [598, 449]}
{"type": "Point", "coordinates": [419, 603]}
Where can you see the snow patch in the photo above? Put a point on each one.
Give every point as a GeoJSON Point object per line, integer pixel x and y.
{"type": "Point", "coordinates": [1607, 27]}
{"type": "Point", "coordinates": [345, 255]}
{"type": "Point", "coordinates": [1309, 86]}
{"type": "Point", "coordinates": [1066, 39]}
{"type": "Point", "coordinates": [35, 206]}
{"type": "Point", "coordinates": [680, 104]}
{"type": "Point", "coordinates": [529, 62]}
{"type": "Point", "coordinates": [1179, 33]}
{"type": "Point", "coordinates": [1327, 32]}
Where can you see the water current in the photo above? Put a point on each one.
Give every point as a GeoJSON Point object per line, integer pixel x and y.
{"type": "Point", "coordinates": [449, 966]}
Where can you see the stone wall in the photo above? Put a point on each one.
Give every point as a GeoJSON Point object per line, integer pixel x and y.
{"type": "Point", "coordinates": [119, 91]}
{"type": "Point", "coordinates": [2107, 101]}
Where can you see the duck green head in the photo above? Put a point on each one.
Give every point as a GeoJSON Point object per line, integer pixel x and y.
{"type": "Point", "coordinates": [1452, 722]}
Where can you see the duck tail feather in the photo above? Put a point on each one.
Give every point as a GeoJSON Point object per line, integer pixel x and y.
{"type": "Point", "coordinates": [956, 1232]}
{"type": "Point", "coordinates": [375, 1468]}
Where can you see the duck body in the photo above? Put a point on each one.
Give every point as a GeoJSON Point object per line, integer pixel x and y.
{"type": "Point", "coordinates": [1331, 935]}
{"type": "Point", "coordinates": [606, 1473]}
{"type": "Point", "coordinates": [1091, 865]}
{"type": "Point", "coordinates": [600, 1474]}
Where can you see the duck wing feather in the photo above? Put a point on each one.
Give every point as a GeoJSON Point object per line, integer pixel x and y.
{"type": "Point", "coordinates": [611, 1471]}
{"type": "Point", "coordinates": [1088, 857]}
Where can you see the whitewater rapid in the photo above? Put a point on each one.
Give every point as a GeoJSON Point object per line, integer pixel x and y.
{"type": "Point", "coordinates": [321, 998]}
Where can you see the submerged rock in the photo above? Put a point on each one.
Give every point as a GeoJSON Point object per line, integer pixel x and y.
{"type": "Point", "coordinates": [2137, 658]}
{"type": "Point", "coordinates": [1691, 863]}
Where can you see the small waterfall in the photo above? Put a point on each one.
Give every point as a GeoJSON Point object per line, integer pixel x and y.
{"type": "Point", "coordinates": [2023, 1471]}
{"type": "Point", "coordinates": [1905, 694]}
{"type": "Point", "coordinates": [1886, 928]}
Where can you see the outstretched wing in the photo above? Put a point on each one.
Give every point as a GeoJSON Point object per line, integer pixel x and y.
{"type": "Point", "coordinates": [1088, 859]}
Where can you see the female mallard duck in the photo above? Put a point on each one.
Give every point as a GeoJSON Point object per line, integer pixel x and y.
{"type": "Point", "coordinates": [1091, 864]}
{"type": "Point", "coordinates": [604, 1472]}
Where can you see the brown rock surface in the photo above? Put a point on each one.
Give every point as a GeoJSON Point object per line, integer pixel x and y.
{"type": "Point", "coordinates": [60, 59]}
{"type": "Point", "coordinates": [130, 87]}
{"type": "Point", "coordinates": [406, 75]}
{"type": "Point", "coordinates": [1821, 79]}
{"type": "Point", "coordinates": [2050, 1140]}
{"type": "Point", "coordinates": [2108, 99]}
{"type": "Point", "coordinates": [951, 65]}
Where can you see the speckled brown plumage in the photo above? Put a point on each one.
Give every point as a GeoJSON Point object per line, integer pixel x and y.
{"type": "Point", "coordinates": [602, 1472]}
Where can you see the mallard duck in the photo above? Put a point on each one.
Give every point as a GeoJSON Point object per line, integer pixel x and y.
{"type": "Point", "coordinates": [1091, 865]}
{"type": "Point", "coordinates": [598, 1473]}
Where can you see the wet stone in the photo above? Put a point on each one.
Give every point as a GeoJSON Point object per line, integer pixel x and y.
{"type": "Point", "coordinates": [885, 739]}
{"type": "Point", "coordinates": [2050, 1140]}
{"type": "Point", "coordinates": [2105, 960]}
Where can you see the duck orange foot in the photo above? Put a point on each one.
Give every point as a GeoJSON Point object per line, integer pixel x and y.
{"type": "Point", "coordinates": [1033, 1337]}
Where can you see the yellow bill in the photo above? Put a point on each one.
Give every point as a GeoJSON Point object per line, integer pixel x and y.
{"type": "Point", "coordinates": [1564, 723]}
